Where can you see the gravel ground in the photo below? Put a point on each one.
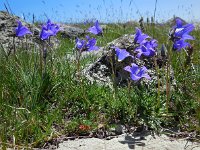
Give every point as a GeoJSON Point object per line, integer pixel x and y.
{"type": "Point", "coordinates": [127, 142]}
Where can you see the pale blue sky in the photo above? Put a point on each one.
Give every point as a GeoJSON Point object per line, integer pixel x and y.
{"type": "Point", "coordinates": [104, 10]}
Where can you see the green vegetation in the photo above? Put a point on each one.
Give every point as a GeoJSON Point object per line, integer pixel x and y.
{"type": "Point", "coordinates": [35, 108]}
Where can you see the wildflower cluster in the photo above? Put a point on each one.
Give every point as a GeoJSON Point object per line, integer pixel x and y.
{"type": "Point", "coordinates": [145, 45]}
{"type": "Point", "coordinates": [86, 45]}
{"type": "Point", "coordinates": [49, 29]}
{"type": "Point", "coordinates": [179, 35]}
{"type": "Point", "coordinates": [144, 48]}
{"type": "Point", "coordinates": [89, 44]}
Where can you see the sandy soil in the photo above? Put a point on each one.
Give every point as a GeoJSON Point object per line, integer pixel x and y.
{"type": "Point", "coordinates": [127, 142]}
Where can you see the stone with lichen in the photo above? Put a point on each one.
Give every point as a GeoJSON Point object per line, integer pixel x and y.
{"type": "Point", "coordinates": [8, 41]}
{"type": "Point", "coordinates": [106, 70]}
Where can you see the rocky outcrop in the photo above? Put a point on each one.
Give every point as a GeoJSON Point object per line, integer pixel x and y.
{"type": "Point", "coordinates": [9, 42]}
{"type": "Point", "coordinates": [70, 31]}
{"type": "Point", "coordinates": [107, 70]}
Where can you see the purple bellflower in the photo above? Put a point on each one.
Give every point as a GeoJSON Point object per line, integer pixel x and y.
{"type": "Point", "coordinates": [140, 37]}
{"type": "Point", "coordinates": [91, 44]}
{"type": "Point", "coordinates": [21, 30]}
{"type": "Point", "coordinates": [80, 44]}
{"type": "Point", "coordinates": [180, 33]}
{"type": "Point", "coordinates": [50, 29]}
{"type": "Point", "coordinates": [122, 54]}
{"type": "Point", "coordinates": [179, 44]}
{"type": "Point", "coordinates": [137, 73]}
{"type": "Point", "coordinates": [154, 43]}
{"type": "Point", "coordinates": [53, 27]}
{"type": "Point", "coordinates": [45, 33]}
{"type": "Point", "coordinates": [86, 45]}
{"type": "Point", "coordinates": [147, 49]}
{"type": "Point", "coordinates": [96, 29]}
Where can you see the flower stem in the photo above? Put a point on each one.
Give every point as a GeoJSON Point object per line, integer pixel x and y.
{"type": "Point", "coordinates": [44, 59]}
{"type": "Point", "coordinates": [78, 64]}
{"type": "Point", "coordinates": [168, 78]}
{"type": "Point", "coordinates": [41, 60]}
{"type": "Point", "coordinates": [158, 73]}
{"type": "Point", "coordinates": [112, 61]}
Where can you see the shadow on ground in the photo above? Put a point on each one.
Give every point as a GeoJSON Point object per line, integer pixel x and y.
{"type": "Point", "coordinates": [135, 139]}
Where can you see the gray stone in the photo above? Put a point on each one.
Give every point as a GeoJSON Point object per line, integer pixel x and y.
{"type": "Point", "coordinates": [120, 129]}
{"type": "Point", "coordinates": [107, 70]}
{"type": "Point", "coordinates": [9, 41]}
{"type": "Point", "coordinates": [85, 54]}
{"type": "Point", "coordinates": [70, 31]}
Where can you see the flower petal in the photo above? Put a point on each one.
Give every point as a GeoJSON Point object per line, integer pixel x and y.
{"type": "Point", "coordinates": [178, 23]}
{"type": "Point", "coordinates": [21, 30]}
{"type": "Point", "coordinates": [127, 68]}
{"type": "Point", "coordinates": [93, 48]}
{"type": "Point", "coordinates": [178, 45]}
{"type": "Point", "coordinates": [134, 68]}
{"type": "Point", "coordinates": [121, 53]}
{"type": "Point", "coordinates": [146, 76]}
{"type": "Point", "coordinates": [135, 78]}
{"type": "Point", "coordinates": [187, 37]}
{"type": "Point", "coordinates": [96, 29]}
{"type": "Point", "coordinates": [80, 43]}
{"type": "Point", "coordinates": [139, 37]}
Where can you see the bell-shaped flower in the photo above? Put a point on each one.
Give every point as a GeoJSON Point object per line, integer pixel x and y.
{"type": "Point", "coordinates": [154, 43]}
{"type": "Point", "coordinates": [45, 33]}
{"type": "Point", "coordinates": [96, 29]}
{"type": "Point", "coordinates": [53, 27]}
{"type": "Point", "coordinates": [86, 45]}
{"type": "Point", "coordinates": [147, 49]}
{"type": "Point", "coordinates": [140, 37]}
{"type": "Point", "coordinates": [91, 44]}
{"type": "Point", "coordinates": [122, 54]}
{"type": "Point", "coordinates": [136, 73]}
{"type": "Point", "coordinates": [21, 30]}
{"type": "Point", "coordinates": [178, 45]}
{"type": "Point", "coordinates": [80, 44]}
{"type": "Point", "coordinates": [49, 29]}
{"type": "Point", "coordinates": [180, 33]}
